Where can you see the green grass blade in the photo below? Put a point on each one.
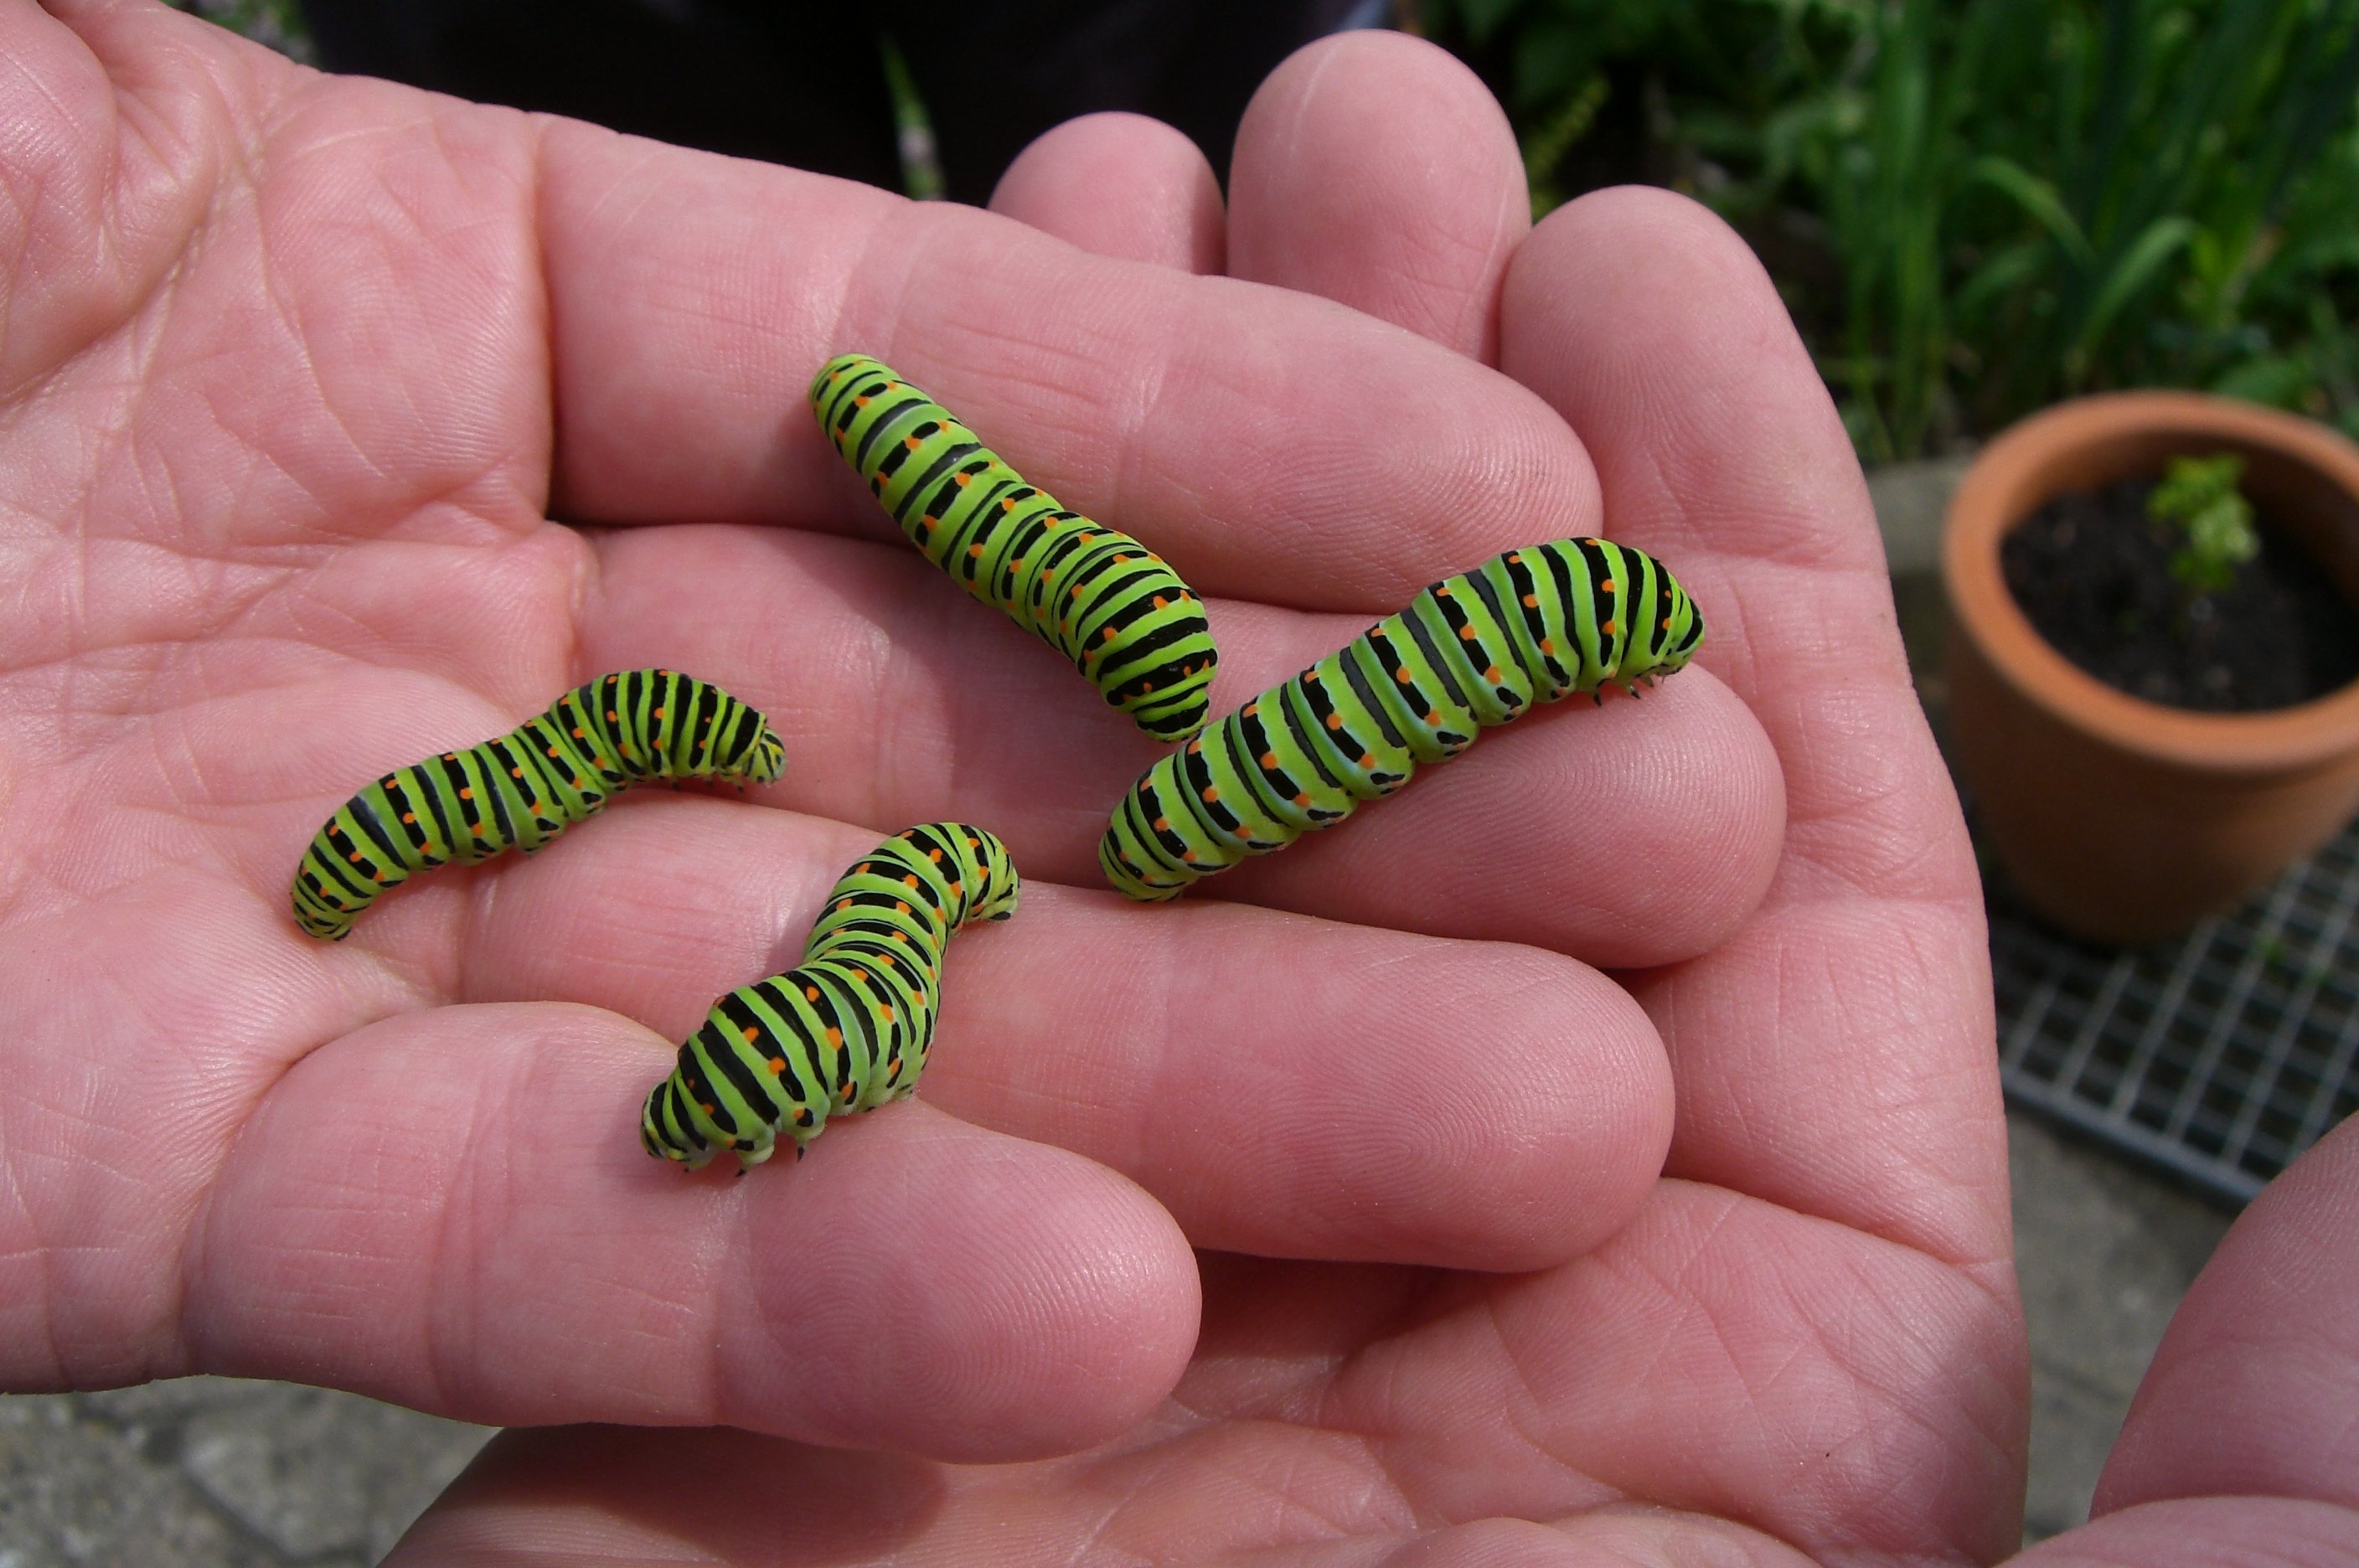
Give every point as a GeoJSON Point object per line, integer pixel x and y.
{"type": "Point", "coordinates": [2135, 268]}
{"type": "Point", "coordinates": [2039, 201]}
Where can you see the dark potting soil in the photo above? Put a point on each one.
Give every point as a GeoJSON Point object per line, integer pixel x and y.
{"type": "Point", "coordinates": [2093, 573]}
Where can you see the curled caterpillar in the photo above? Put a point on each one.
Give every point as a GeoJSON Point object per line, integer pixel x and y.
{"type": "Point", "coordinates": [525, 788]}
{"type": "Point", "coordinates": [1469, 652]}
{"type": "Point", "coordinates": [1093, 593]}
{"type": "Point", "coordinates": [848, 1029]}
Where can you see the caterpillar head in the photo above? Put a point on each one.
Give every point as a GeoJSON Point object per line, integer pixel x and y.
{"type": "Point", "coordinates": [665, 1132]}
{"type": "Point", "coordinates": [319, 911]}
{"type": "Point", "coordinates": [669, 1128]}
{"type": "Point", "coordinates": [835, 370]}
{"type": "Point", "coordinates": [764, 760]}
{"type": "Point", "coordinates": [1678, 633]}
{"type": "Point", "coordinates": [1000, 885]}
{"type": "Point", "coordinates": [327, 925]}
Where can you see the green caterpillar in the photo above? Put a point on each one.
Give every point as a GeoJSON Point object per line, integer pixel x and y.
{"type": "Point", "coordinates": [849, 1027]}
{"type": "Point", "coordinates": [525, 788]}
{"type": "Point", "coordinates": [1093, 593]}
{"type": "Point", "coordinates": [1470, 652]}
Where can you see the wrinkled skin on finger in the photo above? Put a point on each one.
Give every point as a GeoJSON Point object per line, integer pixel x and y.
{"type": "Point", "coordinates": [1802, 1343]}
{"type": "Point", "coordinates": [2237, 1450]}
{"type": "Point", "coordinates": [347, 424]}
{"type": "Point", "coordinates": [1168, 207]}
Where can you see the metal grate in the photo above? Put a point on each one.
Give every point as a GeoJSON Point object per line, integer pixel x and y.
{"type": "Point", "coordinates": [2221, 1056]}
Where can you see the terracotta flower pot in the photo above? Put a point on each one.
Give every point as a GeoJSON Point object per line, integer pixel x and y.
{"type": "Point", "coordinates": [2120, 818]}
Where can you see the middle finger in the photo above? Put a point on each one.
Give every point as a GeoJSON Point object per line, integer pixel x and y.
{"type": "Point", "coordinates": [900, 700]}
{"type": "Point", "coordinates": [1282, 1084]}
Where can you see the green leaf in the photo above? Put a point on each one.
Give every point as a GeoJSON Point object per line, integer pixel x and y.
{"type": "Point", "coordinates": [2039, 200]}
{"type": "Point", "coordinates": [2279, 380]}
{"type": "Point", "coordinates": [2200, 495]}
{"type": "Point", "coordinates": [2004, 272]}
{"type": "Point", "coordinates": [1551, 62]}
{"type": "Point", "coordinates": [2138, 264]}
{"type": "Point", "coordinates": [1482, 17]}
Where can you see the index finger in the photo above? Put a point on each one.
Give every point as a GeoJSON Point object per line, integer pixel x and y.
{"type": "Point", "coordinates": [1272, 446]}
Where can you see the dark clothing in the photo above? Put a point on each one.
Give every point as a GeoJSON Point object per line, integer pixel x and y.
{"type": "Point", "coordinates": [804, 84]}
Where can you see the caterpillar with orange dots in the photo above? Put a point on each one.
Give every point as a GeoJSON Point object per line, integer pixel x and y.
{"type": "Point", "coordinates": [523, 789]}
{"type": "Point", "coordinates": [849, 1028]}
{"type": "Point", "coordinates": [1471, 652]}
{"type": "Point", "coordinates": [1093, 593]}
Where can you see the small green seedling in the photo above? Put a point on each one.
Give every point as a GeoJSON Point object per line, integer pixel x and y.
{"type": "Point", "coordinates": [2199, 496]}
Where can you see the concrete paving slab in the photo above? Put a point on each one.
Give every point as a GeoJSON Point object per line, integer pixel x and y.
{"type": "Point", "coordinates": [313, 1472]}
{"type": "Point", "coordinates": [74, 1490]}
{"type": "Point", "coordinates": [2103, 1251]}
{"type": "Point", "coordinates": [217, 1473]}
{"type": "Point", "coordinates": [1910, 499]}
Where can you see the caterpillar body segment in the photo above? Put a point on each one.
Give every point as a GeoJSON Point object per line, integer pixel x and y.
{"type": "Point", "coordinates": [849, 1028]}
{"type": "Point", "coordinates": [1094, 593]}
{"type": "Point", "coordinates": [1471, 652]}
{"type": "Point", "coordinates": [520, 789]}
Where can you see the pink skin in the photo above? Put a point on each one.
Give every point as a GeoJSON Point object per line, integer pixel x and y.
{"type": "Point", "coordinates": [296, 371]}
{"type": "Point", "coordinates": [2243, 1445]}
{"type": "Point", "coordinates": [298, 368]}
{"type": "Point", "coordinates": [1167, 210]}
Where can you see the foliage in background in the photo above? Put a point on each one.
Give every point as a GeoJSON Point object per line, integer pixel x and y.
{"type": "Point", "coordinates": [913, 127]}
{"type": "Point", "coordinates": [1974, 208]}
{"type": "Point", "coordinates": [1977, 207]}
{"type": "Point", "coordinates": [276, 23]}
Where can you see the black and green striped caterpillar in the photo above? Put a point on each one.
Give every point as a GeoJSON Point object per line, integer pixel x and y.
{"type": "Point", "coordinates": [848, 1029]}
{"type": "Point", "coordinates": [1093, 593]}
{"type": "Point", "coordinates": [525, 788]}
{"type": "Point", "coordinates": [1470, 652]}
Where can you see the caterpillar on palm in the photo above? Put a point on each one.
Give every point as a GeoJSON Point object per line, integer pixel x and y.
{"type": "Point", "coordinates": [520, 789]}
{"type": "Point", "coordinates": [849, 1028]}
{"type": "Point", "coordinates": [1471, 652]}
{"type": "Point", "coordinates": [1094, 593]}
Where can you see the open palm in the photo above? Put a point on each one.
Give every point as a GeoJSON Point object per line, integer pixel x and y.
{"type": "Point", "coordinates": [296, 374]}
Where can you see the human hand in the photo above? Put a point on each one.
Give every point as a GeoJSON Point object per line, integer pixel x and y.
{"type": "Point", "coordinates": [296, 370]}
{"type": "Point", "coordinates": [2240, 1446]}
{"type": "Point", "coordinates": [1802, 1342]}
